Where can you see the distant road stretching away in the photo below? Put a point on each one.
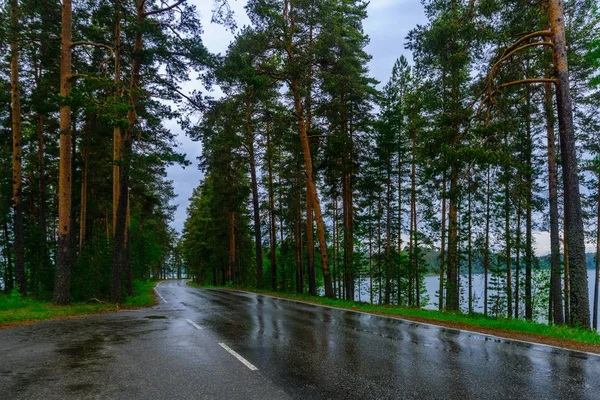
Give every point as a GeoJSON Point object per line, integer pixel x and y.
{"type": "Point", "coordinates": [218, 344]}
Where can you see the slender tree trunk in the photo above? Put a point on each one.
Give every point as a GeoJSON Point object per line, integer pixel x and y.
{"type": "Point", "coordinates": [84, 188]}
{"type": "Point", "coordinates": [230, 269]}
{"type": "Point", "coordinates": [254, 183]}
{"type": "Point", "coordinates": [20, 276]}
{"type": "Point", "coordinates": [371, 258]}
{"type": "Point", "coordinates": [388, 230]}
{"type": "Point", "coordinates": [507, 240]}
{"type": "Point", "coordinates": [348, 236]}
{"type": "Point", "coordinates": [43, 242]}
{"type": "Point", "coordinates": [416, 244]}
{"type": "Point", "coordinates": [452, 289]}
{"type": "Point", "coordinates": [486, 250]}
{"type": "Point", "coordinates": [528, 215]}
{"type": "Point", "coordinates": [566, 274]}
{"type": "Point", "coordinates": [518, 261]}
{"type": "Point", "coordinates": [470, 249]}
{"type": "Point", "coordinates": [8, 273]}
{"type": "Point", "coordinates": [597, 277]}
{"type": "Point", "coordinates": [555, 284]}
{"type": "Point", "coordinates": [272, 208]}
{"type": "Point", "coordinates": [298, 240]}
{"type": "Point", "coordinates": [62, 285]}
{"type": "Point", "coordinates": [120, 247]}
{"type": "Point", "coordinates": [443, 244]}
{"type": "Point", "coordinates": [399, 223]}
{"type": "Point", "coordinates": [117, 134]}
{"type": "Point", "coordinates": [579, 300]}
{"type": "Point", "coordinates": [380, 298]}
{"type": "Point", "coordinates": [335, 271]}
{"type": "Point", "coordinates": [310, 247]}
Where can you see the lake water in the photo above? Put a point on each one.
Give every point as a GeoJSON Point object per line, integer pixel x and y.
{"type": "Point", "coordinates": [432, 284]}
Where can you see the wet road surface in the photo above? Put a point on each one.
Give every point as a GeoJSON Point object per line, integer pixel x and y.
{"type": "Point", "coordinates": [216, 344]}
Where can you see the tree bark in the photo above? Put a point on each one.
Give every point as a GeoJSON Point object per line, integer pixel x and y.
{"type": "Point", "coordinates": [310, 243]}
{"type": "Point", "coordinates": [43, 242]}
{"type": "Point", "coordinates": [555, 284]}
{"type": "Point", "coordinates": [230, 269]}
{"type": "Point", "coordinates": [254, 183]}
{"type": "Point", "coordinates": [443, 244]}
{"type": "Point", "coordinates": [273, 230]}
{"type": "Point", "coordinates": [579, 300]}
{"type": "Point", "coordinates": [62, 285]}
{"type": "Point", "coordinates": [19, 243]}
{"type": "Point", "coordinates": [486, 254]}
{"type": "Point", "coordinates": [528, 214]}
{"type": "Point", "coordinates": [597, 277]}
{"type": "Point", "coordinates": [120, 246]}
{"type": "Point", "coordinates": [452, 289]}
{"type": "Point", "coordinates": [507, 240]}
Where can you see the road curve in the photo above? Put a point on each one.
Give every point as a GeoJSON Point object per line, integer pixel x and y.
{"type": "Point", "coordinates": [217, 344]}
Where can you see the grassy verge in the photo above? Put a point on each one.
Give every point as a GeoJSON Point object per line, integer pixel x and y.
{"type": "Point", "coordinates": [15, 310]}
{"type": "Point", "coordinates": [475, 322]}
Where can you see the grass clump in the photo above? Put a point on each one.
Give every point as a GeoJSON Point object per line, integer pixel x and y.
{"type": "Point", "coordinates": [15, 309]}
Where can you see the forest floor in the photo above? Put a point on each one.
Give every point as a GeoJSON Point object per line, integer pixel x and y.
{"type": "Point", "coordinates": [16, 310]}
{"type": "Point", "coordinates": [513, 329]}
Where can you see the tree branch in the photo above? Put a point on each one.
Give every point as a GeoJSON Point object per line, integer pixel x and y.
{"type": "Point", "coordinates": [162, 10]}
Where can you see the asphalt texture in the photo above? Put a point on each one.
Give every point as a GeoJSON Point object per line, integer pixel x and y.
{"type": "Point", "coordinates": [280, 349]}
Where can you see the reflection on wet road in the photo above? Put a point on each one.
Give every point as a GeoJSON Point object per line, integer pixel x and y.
{"type": "Point", "coordinates": [179, 349]}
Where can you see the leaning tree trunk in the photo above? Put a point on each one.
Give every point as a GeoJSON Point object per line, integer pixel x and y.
{"type": "Point", "coordinates": [579, 300]}
{"type": "Point", "coordinates": [62, 285]}
{"type": "Point", "coordinates": [16, 154]}
{"type": "Point", "coordinates": [313, 191]}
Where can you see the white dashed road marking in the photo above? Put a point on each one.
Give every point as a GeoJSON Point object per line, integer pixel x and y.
{"type": "Point", "coordinates": [194, 324]}
{"type": "Point", "coordinates": [240, 358]}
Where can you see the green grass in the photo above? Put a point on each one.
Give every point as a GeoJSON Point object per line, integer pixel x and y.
{"type": "Point", "coordinates": [15, 310]}
{"type": "Point", "coordinates": [475, 320]}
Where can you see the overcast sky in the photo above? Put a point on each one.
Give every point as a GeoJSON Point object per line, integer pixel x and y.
{"type": "Point", "coordinates": [387, 25]}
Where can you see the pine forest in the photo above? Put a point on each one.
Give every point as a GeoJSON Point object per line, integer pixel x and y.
{"type": "Point", "coordinates": [314, 177]}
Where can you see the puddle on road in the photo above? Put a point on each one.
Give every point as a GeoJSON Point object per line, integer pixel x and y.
{"type": "Point", "coordinates": [156, 317]}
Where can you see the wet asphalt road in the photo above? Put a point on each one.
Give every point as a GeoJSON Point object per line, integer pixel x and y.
{"type": "Point", "coordinates": [177, 350]}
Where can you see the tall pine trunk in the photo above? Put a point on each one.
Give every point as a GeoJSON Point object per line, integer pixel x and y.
{"type": "Point", "coordinates": [271, 189]}
{"type": "Point", "coordinates": [555, 279]}
{"type": "Point", "coordinates": [452, 288]}
{"type": "Point", "coordinates": [597, 277]}
{"type": "Point", "coordinates": [442, 244]}
{"type": "Point", "coordinates": [579, 300]}
{"type": "Point", "coordinates": [486, 250]}
{"type": "Point", "coordinates": [254, 183]}
{"type": "Point", "coordinates": [507, 239]}
{"type": "Point", "coordinates": [19, 232]}
{"type": "Point", "coordinates": [120, 243]}
{"type": "Point", "coordinates": [62, 284]}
